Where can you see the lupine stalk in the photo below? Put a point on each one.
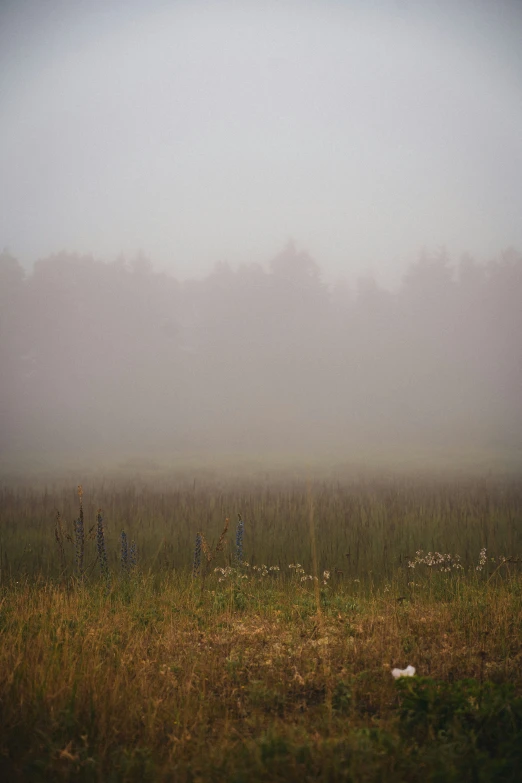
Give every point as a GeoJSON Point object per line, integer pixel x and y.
{"type": "Point", "coordinates": [124, 552]}
{"type": "Point", "coordinates": [197, 556]}
{"type": "Point", "coordinates": [102, 549]}
{"type": "Point", "coordinates": [79, 536]}
{"type": "Point", "coordinates": [239, 539]}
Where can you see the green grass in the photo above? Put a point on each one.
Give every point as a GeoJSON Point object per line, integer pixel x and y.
{"type": "Point", "coordinates": [254, 674]}
{"type": "Point", "coordinates": [380, 522]}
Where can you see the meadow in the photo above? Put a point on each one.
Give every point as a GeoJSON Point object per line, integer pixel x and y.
{"type": "Point", "coordinates": [247, 628]}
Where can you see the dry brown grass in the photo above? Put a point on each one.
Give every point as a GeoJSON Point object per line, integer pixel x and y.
{"type": "Point", "coordinates": [178, 682]}
{"type": "Point", "coordinates": [250, 673]}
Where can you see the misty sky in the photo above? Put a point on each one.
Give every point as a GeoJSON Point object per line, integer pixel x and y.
{"type": "Point", "coordinates": [205, 131]}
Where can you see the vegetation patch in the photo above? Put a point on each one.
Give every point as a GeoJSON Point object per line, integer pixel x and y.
{"type": "Point", "coordinates": [265, 669]}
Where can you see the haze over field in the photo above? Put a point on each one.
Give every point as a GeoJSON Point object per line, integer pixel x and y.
{"type": "Point", "coordinates": [112, 358]}
{"type": "Point", "coordinates": [226, 205]}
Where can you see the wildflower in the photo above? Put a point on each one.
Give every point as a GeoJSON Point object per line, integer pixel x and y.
{"type": "Point", "coordinates": [239, 539]}
{"type": "Point", "coordinates": [482, 560]}
{"type": "Point", "coordinates": [197, 555]}
{"type": "Point", "coordinates": [124, 552]}
{"type": "Point", "coordinates": [409, 671]}
{"type": "Point", "coordinates": [437, 560]}
{"type": "Point", "coordinates": [102, 549]}
{"type": "Point", "coordinates": [79, 534]}
{"type": "Point", "coordinates": [221, 542]}
{"type": "Point", "coordinates": [224, 572]}
{"type": "Point", "coordinates": [79, 537]}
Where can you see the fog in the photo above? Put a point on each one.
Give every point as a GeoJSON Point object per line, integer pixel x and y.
{"type": "Point", "coordinates": [115, 359]}
{"type": "Point", "coordinates": [260, 228]}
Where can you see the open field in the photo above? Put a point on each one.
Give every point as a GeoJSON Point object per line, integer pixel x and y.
{"type": "Point", "coordinates": [128, 666]}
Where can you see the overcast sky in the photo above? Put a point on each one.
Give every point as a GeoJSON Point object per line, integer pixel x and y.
{"type": "Point", "coordinates": [205, 131]}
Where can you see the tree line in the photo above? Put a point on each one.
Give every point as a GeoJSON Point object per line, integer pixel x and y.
{"type": "Point", "coordinates": [114, 356]}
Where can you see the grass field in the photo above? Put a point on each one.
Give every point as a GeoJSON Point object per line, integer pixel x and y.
{"type": "Point", "coordinates": [153, 662]}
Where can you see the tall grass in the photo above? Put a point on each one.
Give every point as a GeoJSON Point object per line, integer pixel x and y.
{"type": "Point", "coordinates": [366, 529]}
{"type": "Point", "coordinates": [264, 652]}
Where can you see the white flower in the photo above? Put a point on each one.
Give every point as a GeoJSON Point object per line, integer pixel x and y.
{"type": "Point", "coordinates": [409, 671]}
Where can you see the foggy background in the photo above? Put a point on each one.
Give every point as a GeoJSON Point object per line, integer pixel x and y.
{"type": "Point", "coordinates": [247, 227]}
{"type": "Point", "coordinates": [115, 357]}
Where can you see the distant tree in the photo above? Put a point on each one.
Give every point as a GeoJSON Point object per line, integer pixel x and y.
{"type": "Point", "coordinates": [470, 274]}
{"type": "Point", "coordinates": [429, 278]}
{"type": "Point", "coordinates": [294, 265]}
{"type": "Point", "coordinates": [11, 277]}
{"type": "Point", "coordinates": [141, 265]}
{"type": "Point", "coordinates": [11, 342]}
